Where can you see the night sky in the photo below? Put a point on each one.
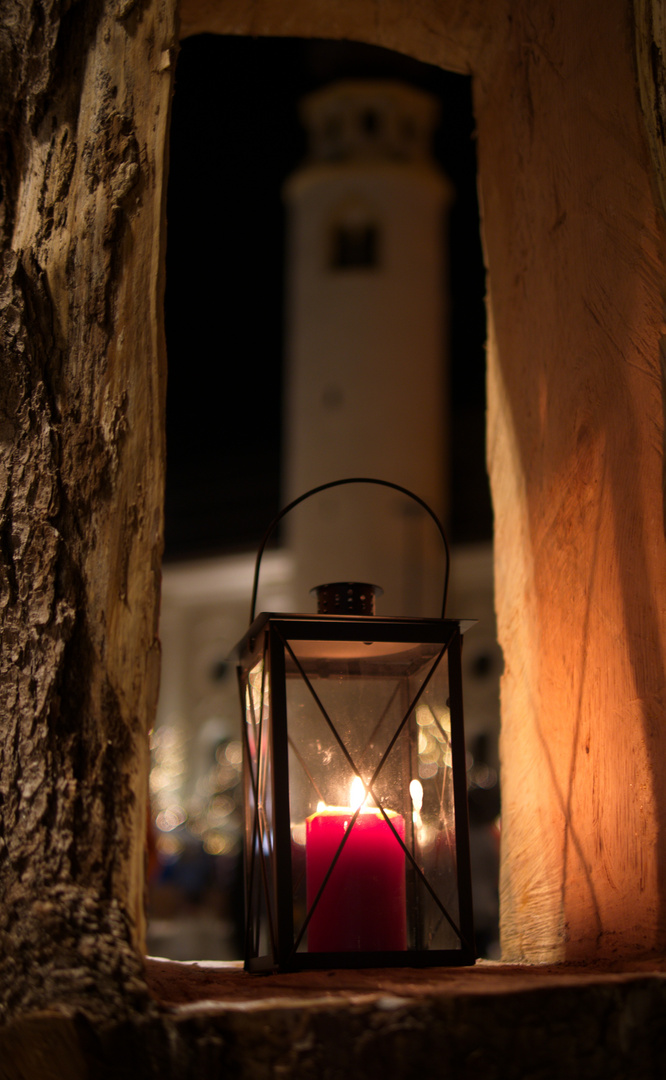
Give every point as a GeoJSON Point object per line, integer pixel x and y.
{"type": "Point", "coordinates": [235, 137]}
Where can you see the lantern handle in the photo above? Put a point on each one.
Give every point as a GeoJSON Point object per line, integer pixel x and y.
{"type": "Point", "coordinates": [338, 483]}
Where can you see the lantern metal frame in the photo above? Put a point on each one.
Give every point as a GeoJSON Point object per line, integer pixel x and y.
{"type": "Point", "coordinates": [268, 646]}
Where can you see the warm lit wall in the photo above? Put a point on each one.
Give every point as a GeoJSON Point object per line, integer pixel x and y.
{"type": "Point", "coordinates": [573, 240]}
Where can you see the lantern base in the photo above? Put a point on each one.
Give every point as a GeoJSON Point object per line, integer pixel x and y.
{"type": "Point", "coordinates": [326, 961]}
{"type": "Point", "coordinates": [331, 883]}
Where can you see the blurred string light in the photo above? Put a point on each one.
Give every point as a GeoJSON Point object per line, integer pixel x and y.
{"type": "Point", "coordinates": [481, 775]}
{"type": "Point", "coordinates": [212, 815]}
{"type": "Point", "coordinates": [166, 779]}
{"type": "Point", "coordinates": [434, 750]}
{"type": "Point", "coordinates": [434, 741]}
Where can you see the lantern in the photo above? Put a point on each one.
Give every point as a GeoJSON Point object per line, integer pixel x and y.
{"type": "Point", "coordinates": [356, 831]}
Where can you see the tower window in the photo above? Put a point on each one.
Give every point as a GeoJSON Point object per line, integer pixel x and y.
{"type": "Point", "coordinates": [354, 246]}
{"type": "Point", "coordinates": [370, 122]}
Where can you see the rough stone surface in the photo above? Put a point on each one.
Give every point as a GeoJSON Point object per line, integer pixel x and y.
{"type": "Point", "coordinates": [492, 1021]}
{"type": "Point", "coordinates": [85, 92]}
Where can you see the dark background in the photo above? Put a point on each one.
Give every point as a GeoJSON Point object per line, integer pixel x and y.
{"type": "Point", "coordinates": [235, 137]}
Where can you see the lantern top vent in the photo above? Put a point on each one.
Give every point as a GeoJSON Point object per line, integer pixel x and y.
{"type": "Point", "coordinates": [346, 598]}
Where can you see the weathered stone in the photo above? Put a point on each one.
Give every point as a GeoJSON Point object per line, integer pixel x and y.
{"type": "Point", "coordinates": [493, 1021]}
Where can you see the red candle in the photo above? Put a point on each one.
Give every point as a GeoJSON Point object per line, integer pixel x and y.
{"type": "Point", "coordinates": [362, 907]}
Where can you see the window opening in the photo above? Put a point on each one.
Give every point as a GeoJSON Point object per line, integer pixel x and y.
{"type": "Point", "coordinates": [235, 137]}
{"type": "Point", "coordinates": [355, 247]}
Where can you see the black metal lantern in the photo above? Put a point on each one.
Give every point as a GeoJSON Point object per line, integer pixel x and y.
{"type": "Point", "coordinates": [356, 830]}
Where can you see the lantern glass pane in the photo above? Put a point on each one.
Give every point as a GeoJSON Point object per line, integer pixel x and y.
{"type": "Point", "coordinates": [432, 834]}
{"type": "Point", "coordinates": [369, 726]}
{"type": "Point", "coordinates": [259, 822]}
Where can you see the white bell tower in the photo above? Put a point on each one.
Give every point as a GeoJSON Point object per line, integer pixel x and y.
{"type": "Point", "coordinates": [365, 350]}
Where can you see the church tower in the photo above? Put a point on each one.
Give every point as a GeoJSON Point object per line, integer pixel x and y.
{"type": "Point", "coordinates": [365, 388]}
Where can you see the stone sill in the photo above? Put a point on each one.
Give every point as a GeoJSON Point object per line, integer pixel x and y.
{"type": "Point", "coordinates": [224, 984]}
{"type": "Point", "coordinates": [493, 1021]}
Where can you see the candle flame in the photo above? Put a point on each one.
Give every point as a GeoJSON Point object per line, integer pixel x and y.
{"type": "Point", "coordinates": [357, 793]}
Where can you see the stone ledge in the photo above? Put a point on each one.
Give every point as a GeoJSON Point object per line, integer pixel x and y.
{"type": "Point", "coordinates": [493, 1021]}
{"type": "Point", "coordinates": [176, 983]}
